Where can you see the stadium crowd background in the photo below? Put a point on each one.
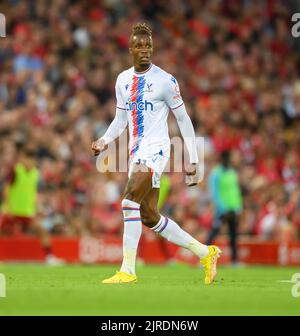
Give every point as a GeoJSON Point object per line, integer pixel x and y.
{"type": "Point", "coordinates": [238, 69]}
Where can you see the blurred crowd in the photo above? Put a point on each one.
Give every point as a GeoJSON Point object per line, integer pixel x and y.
{"type": "Point", "coordinates": [238, 68]}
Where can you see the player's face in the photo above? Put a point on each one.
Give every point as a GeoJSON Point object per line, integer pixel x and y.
{"type": "Point", "coordinates": [141, 50]}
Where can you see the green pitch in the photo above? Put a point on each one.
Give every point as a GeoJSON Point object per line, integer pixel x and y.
{"type": "Point", "coordinates": [162, 290]}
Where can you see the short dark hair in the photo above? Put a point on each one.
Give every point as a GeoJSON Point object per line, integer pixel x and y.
{"type": "Point", "coordinates": [140, 29]}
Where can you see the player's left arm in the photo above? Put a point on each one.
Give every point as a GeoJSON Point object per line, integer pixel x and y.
{"type": "Point", "coordinates": [176, 104]}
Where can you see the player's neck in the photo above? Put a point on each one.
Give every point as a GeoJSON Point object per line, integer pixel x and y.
{"type": "Point", "coordinates": [142, 68]}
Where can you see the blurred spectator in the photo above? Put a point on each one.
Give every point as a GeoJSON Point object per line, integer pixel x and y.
{"type": "Point", "coordinates": [20, 202]}
{"type": "Point", "coordinates": [227, 201]}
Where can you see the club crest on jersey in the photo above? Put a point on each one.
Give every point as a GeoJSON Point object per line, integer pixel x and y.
{"type": "Point", "coordinates": [149, 88]}
{"type": "Point", "coordinates": [143, 105]}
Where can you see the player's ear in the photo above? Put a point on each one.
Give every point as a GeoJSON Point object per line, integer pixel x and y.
{"type": "Point", "coordinates": [130, 50]}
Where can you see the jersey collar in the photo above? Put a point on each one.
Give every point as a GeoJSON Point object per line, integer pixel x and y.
{"type": "Point", "coordinates": [143, 72]}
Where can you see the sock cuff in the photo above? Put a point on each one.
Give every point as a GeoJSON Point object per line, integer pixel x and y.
{"type": "Point", "coordinates": [157, 225]}
{"type": "Point", "coordinates": [130, 205]}
{"type": "Point", "coordinates": [161, 225]}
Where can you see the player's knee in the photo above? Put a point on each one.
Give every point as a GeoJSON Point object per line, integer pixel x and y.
{"type": "Point", "coordinates": [132, 196]}
{"type": "Point", "coordinates": [149, 217]}
{"type": "Point", "coordinates": [132, 193]}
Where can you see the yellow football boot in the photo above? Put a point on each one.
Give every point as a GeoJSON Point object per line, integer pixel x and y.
{"type": "Point", "coordinates": [121, 278]}
{"type": "Point", "coordinates": [209, 263]}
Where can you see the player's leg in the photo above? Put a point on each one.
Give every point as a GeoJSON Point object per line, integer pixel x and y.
{"type": "Point", "coordinates": [166, 227]}
{"type": "Point", "coordinates": [232, 224]}
{"type": "Point", "coordinates": [45, 240]}
{"type": "Point", "coordinates": [217, 222]}
{"type": "Point", "coordinates": [170, 230]}
{"type": "Point", "coordinates": [138, 186]}
{"type": "Point", "coordinates": [6, 225]}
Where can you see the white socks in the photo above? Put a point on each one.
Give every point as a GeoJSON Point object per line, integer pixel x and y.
{"type": "Point", "coordinates": [131, 235]}
{"type": "Point", "coordinates": [168, 229]}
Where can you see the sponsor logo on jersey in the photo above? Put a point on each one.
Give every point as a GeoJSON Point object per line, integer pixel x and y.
{"type": "Point", "coordinates": [176, 97]}
{"type": "Point", "coordinates": [143, 105]}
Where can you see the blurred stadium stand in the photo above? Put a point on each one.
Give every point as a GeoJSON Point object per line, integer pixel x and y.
{"type": "Point", "coordinates": [238, 67]}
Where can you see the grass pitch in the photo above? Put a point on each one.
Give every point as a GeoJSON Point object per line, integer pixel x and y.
{"type": "Point", "coordinates": [161, 290]}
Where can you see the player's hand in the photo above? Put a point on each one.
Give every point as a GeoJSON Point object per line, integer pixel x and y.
{"type": "Point", "coordinates": [192, 175]}
{"type": "Point", "coordinates": [98, 146]}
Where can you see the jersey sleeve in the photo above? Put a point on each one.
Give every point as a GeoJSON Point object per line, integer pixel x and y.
{"type": "Point", "coordinates": [172, 93]}
{"type": "Point", "coordinates": [120, 100]}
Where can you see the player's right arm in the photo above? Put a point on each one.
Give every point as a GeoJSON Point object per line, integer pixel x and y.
{"type": "Point", "coordinates": [117, 126]}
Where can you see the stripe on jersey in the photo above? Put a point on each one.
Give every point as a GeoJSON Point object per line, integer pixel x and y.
{"type": "Point", "coordinates": [136, 96]}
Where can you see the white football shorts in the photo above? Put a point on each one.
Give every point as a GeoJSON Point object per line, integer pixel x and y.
{"type": "Point", "coordinates": [156, 162]}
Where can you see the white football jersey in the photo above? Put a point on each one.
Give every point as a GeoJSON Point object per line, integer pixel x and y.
{"type": "Point", "coordinates": [147, 98]}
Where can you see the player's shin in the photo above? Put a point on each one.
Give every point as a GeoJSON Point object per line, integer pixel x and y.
{"type": "Point", "coordinates": [131, 235]}
{"type": "Point", "coordinates": [168, 229]}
